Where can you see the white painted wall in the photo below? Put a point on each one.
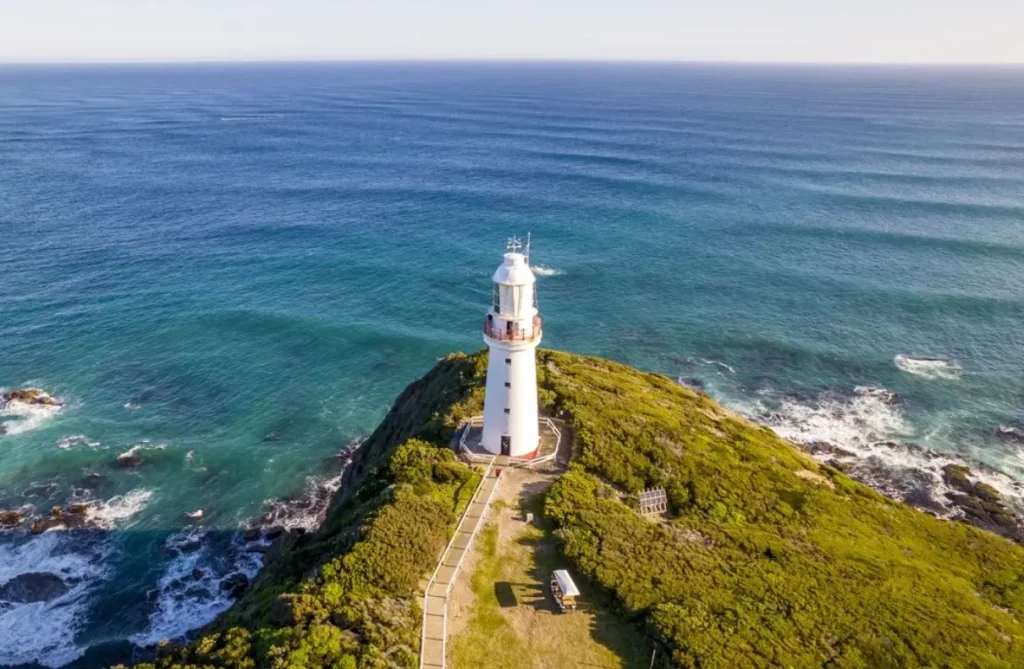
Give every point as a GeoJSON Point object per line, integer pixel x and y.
{"type": "Point", "coordinates": [510, 403]}
{"type": "Point", "coordinates": [520, 423]}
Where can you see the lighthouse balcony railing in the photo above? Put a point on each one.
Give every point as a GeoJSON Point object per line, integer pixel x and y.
{"type": "Point", "coordinates": [504, 334]}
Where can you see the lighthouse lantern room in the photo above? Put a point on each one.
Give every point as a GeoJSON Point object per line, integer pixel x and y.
{"type": "Point", "coordinates": [512, 331]}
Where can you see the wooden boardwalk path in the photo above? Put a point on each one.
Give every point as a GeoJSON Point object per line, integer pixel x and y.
{"type": "Point", "coordinates": [433, 640]}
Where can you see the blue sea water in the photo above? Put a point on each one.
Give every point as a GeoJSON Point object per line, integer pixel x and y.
{"type": "Point", "coordinates": [236, 269]}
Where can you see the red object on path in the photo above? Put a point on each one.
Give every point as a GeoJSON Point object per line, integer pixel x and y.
{"type": "Point", "coordinates": [497, 472]}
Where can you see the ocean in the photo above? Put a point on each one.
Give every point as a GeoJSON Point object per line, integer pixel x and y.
{"type": "Point", "coordinates": [234, 269]}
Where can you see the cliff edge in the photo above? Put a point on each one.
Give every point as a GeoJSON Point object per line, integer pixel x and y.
{"type": "Point", "coordinates": [765, 557]}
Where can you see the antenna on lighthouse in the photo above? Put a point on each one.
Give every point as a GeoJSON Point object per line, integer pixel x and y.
{"type": "Point", "coordinates": [527, 253]}
{"type": "Point", "coordinates": [514, 245]}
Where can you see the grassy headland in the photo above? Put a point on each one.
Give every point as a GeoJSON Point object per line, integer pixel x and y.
{"type": "Point", "coordinates": [767, 558]}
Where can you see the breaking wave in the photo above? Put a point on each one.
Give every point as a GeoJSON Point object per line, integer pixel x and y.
{"type": "Point", "coordinates": [65, 443]}
{"type": "Point", "coordinates": [26, 416]}
{"type": "Point", "coordinates": [868, 433]}
{"type": "Point", "coordinates": [190, 593]}
{"type": "Point", "coordinates": [105, 515]}
{"type": "Point", "coordinates": [50, 625]}
{"type": "Point", "coordinates": [305, 512]}
{"type": "Point", "coordinates": [929, 368]}
{"type": "Point", "coordinates": [541, 270]}
{"type": "Point", "coordinates": [194, 588]}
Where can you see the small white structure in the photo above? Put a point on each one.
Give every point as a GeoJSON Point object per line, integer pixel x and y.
{"type": "Point", "coordinates": [512, 331]}
{"type": "Point", "coordinates": [653, 500]}
{"type": "Point", "coordinates": [564, 590]}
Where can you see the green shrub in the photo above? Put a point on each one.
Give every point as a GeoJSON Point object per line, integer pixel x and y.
{"type": "Point", "coordinates": [347, 597]}
{"type": "Point", "coordinates": [768, 559]}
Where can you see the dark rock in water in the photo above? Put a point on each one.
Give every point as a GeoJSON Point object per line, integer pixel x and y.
{"type": "Point", "coordinates": [691, 382]}
{"type": "Point", "coordinates": [40, 491]}
{"type": "Point", "coordinates": [129, 458]}
{"type": "Point", "coordinates": [77, 509]}
{"type": "Point", "coordinates": [235, 585]}
{"type": "Point", "coordinates": [826, 448]}
{"type": "Point", "coordinates": [30, 396]}
{"type": "Point", "coordinates": [33, 587]}
{"type": "Point", "coordinates": [74, 517]}
{"type": "Point", "coordinates": [838, 464]}
{"type": "Point", "coordinates": [9, 519]}
{"type": "Point", "coordinates": [921, 498]}
{"type": "Point", "coordinates": [273, 532]}
{"type": "Point", "coordinates": [991, 516]}
{"type": "Point", "coordinates": [257, 548]}
{"type": "Point", "coordinates": [252, 534]}
{"type": "Point", "coordinates": [981, 504]}
{"type": "Point", "coordinates": [986, 492]}
{"type": "Point", "coordinates": [94, 481]}
{"type": "Point", "coordinates": [957, 477]}
{"type": "Point", "coordinates": [41, 525]}
{"type": "Point", "coordinates": [1011, 434]}
{"type": "Point", "coordinates": [192, 516]}
{"type": "Point", "coordinates": [198, 574]}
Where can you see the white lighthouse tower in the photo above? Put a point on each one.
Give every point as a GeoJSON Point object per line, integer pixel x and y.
{"type": "Point", "coordinates": [512, 330]}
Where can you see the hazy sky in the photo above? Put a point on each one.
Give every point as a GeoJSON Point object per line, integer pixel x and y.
{"type": "Point", "coordinates": [735, 30]}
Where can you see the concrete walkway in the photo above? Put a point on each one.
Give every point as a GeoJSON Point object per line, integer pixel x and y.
{"type": "Point", "coordinates": [435, 599]}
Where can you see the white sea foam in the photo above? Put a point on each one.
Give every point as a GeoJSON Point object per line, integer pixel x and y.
{"type": "Point", "coordinates": [44, 632]}
{"type": "Point", "coordinates": [306, 512]}
{"type": "Point", "coordinates": [719, 363]}
{"type": "Point", "coordinates": [1010, 433]}
{"type": "Point", "coordinates": [65, 443]}
{"type": "Point", "coordinates": [870, 424]}
{"type": "Point", "coordinates": [189, 591]}
{"type": "Point", "coordinates": [541, 270]}
{"type": "Point", "coordinates": [27, 416]}
{"type": "Point", "coordinates": [854, 423]}
{"type": "Point", "coordinates": [929, 368]}
{"type": "Point", "coordinates": [117, 509]}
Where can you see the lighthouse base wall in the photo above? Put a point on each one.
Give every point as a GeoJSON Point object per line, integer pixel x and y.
{"type": "Point", "coordinates": [510, 405]}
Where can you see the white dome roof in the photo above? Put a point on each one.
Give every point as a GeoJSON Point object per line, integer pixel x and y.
{"type": "Point", "coordinates": [514, 271]}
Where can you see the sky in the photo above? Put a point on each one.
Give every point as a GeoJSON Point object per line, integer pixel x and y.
{"type": "Point", "coordinates": [807, 31]}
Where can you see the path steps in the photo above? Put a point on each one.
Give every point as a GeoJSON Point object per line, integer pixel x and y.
{"type": "Point", "coordinates": [433, 643]}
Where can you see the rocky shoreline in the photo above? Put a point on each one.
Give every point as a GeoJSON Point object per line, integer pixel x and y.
{"type": "Point", "coordinates": [962, 496]}
{"type": "Point", "coordinates": [25, 401]}
{"type": "Point", "coordinates": [214, 566]}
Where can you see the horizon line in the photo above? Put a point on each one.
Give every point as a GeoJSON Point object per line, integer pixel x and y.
{"type": "Point", "coordinates": [511, 60]}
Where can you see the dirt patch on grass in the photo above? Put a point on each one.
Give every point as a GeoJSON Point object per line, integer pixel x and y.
{"type": "Point", "coordinates": [502, 614]}
{"type": "Point", "coordinates": [808, 475]}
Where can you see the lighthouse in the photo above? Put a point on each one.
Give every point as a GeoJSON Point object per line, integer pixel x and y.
{"type": "Point", "coordinates": [512, 332]}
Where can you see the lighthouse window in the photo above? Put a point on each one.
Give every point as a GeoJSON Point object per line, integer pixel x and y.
{"type": "Point", "coordinates": [508, 384]}
{"type": "Point", "coordinates": [506, 410]}
{"type": "Point", "coordinates": [508, 361]}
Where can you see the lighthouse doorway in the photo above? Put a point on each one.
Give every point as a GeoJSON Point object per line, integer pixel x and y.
{"type": "Point", "coordinates": [506, 445]}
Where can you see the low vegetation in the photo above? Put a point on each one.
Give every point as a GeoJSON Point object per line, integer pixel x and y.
{"type": "Point", "coordinates": [347, 597]}
{"type": "Point", "coordinates": [765, 559]}
{"type": "Point", "coordinates": [512, 620]}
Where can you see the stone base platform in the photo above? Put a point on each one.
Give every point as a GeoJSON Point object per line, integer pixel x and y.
{"type": "Point", "coordinates": [469, 447]}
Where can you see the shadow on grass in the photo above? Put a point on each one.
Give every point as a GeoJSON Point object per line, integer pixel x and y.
{"type": "Point", "coordinates": [620, 635]}
{"type": "Point", "coordinates": [505, 595]}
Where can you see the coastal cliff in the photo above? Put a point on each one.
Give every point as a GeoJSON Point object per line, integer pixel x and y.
{"type": "Point", "coordinates": [765, 558]}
